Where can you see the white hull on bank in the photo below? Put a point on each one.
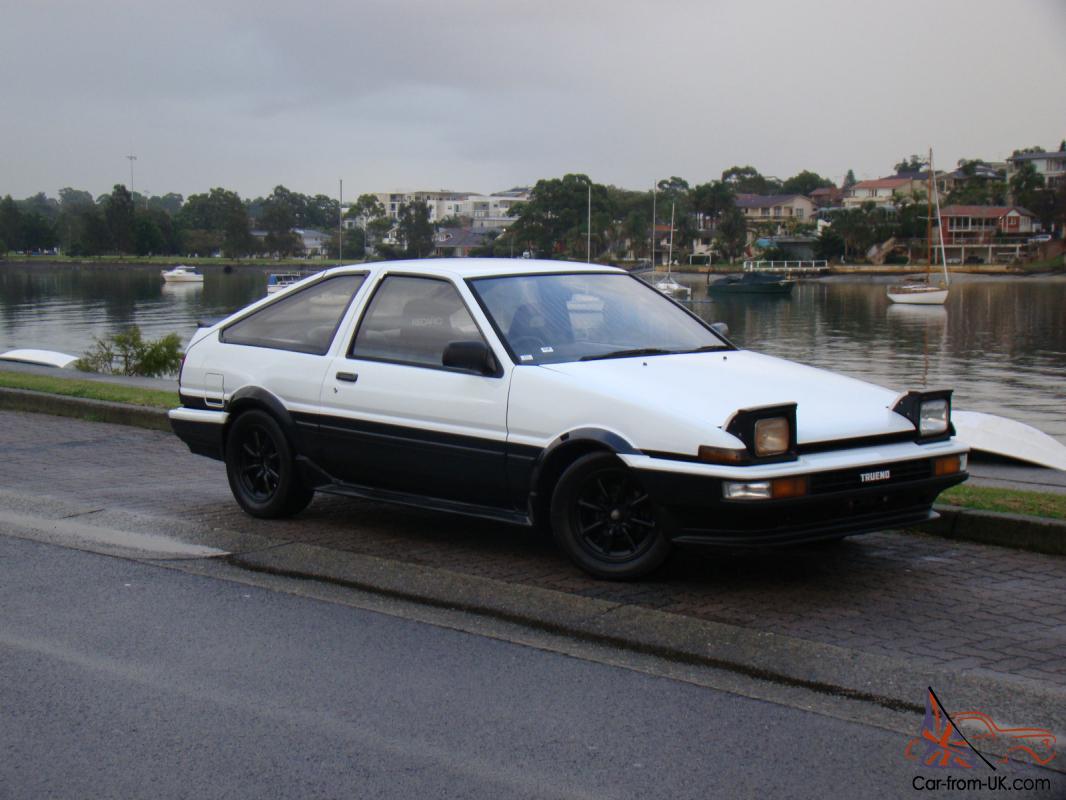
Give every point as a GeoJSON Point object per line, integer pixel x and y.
{"type": "Point", "coordinates": [1000, 436]}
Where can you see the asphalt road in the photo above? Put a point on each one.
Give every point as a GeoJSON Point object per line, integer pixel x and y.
{"type": "Point", "coordinates": [120, 678]}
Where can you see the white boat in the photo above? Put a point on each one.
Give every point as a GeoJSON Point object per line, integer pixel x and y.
{"type": "Point", "coordinates": [283, 280]}
{"type": "Point", "coordinates": [183, 274]}
{"type": "Point", "coordinates": [1000, 436]}
{"type": "Point", "coordinates": [925, 292]}
{"type": "Point", "coordinates": [40, 358]}
{"type": "Point", "coordinates": [672, 288]}
{"type": "Point", "coordinates": [667, 285]}
{"type": "Point", "coordinates": [919, 294]}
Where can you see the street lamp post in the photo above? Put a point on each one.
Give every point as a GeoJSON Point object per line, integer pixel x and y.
{"type": "Point", "coordinates": [131, 158]}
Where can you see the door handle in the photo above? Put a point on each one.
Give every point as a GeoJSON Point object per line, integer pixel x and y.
{"type": "Point", "coordinates": [350, 377]}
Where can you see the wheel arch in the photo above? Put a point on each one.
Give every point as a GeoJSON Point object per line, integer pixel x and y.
{"type": "Point", "coordinates": [249, 398]}
{"type": "Point", "coordinates": [560, 454]}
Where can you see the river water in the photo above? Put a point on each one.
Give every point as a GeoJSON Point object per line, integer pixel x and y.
{"type": "Point", "coordinates": [1000, 342]}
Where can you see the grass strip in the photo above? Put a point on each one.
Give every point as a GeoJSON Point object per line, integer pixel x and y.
{"type": "Point", "coordinates": [92, 390]}
{"type": "Point", "coordinates": [1011, 501]}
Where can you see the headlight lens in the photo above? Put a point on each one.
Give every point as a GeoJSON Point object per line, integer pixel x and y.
{"type": "Point", "coordinates": [933, 418]}
{"type": "Point", "coordinates": [771, 436]}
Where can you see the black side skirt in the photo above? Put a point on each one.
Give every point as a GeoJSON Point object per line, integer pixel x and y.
{"type": "Point", "coordinates": [322, 482]}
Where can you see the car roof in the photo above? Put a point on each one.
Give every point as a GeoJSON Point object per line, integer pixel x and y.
{"type": "Point", "coordinates": [463, 268]}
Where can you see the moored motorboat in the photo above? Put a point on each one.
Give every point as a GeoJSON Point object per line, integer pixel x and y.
{"type": "Point", "coordinates": [283, 280]}
{"type": "Point", "coordinates": [751, 283]}
{"type": "Point", "coordinates": [183, 274]}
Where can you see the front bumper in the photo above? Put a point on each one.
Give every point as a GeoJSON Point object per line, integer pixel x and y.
{"type": "Point", "coordinates": [837, 504]}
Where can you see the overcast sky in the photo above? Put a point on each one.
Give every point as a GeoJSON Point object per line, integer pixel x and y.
{"type": "Point", "coordinates": [476, 95]}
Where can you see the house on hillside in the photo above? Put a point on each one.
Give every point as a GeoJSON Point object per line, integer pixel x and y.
{"type": "Point", "coordinates": [1052, 166]}
{"type": "Point", "coordinates": [827, 197]}
{"type": "Point", "coordinates": [315, 243]}
{"type": "Point", "coordinates": [983, 224]}
{"type": "Point", "coordinates": [772, 211]}
{"type": "Point", "coordinates": [883, 192]}
{"type": "Point", "coordinates": [457, 242]}
{"type": "Point", "coordinates": [977, 173]}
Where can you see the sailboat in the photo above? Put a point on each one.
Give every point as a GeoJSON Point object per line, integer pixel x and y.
{"type": "Point", "coordinates": [926, 293]}
{"type": "Point", "coordinates": [667, 285]}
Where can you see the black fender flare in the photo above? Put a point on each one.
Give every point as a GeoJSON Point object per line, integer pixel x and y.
{"type": "Point", "coordinates": [548, 464]}
{"type": "Point", "coordinates": [255, 397]}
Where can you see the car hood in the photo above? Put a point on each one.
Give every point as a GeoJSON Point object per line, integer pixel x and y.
{"type": "Point", "coordinates": [706, 389]}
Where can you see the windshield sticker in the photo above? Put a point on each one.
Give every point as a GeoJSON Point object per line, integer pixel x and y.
{"type": "Point", "coordinates": [525, 358]}
{"type": "Point", "coordinates": [547, 349]}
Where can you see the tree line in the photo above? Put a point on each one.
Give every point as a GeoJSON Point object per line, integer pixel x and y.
{"type": "Point", "coordinates": [553, 222]}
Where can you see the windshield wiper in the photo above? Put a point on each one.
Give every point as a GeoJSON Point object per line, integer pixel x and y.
{"type": "Point", "coordinates": [707, 348]}
{"type": "Point", "coordinates": [638, 351]}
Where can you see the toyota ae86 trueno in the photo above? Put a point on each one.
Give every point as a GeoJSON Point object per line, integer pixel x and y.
{"type": "Point", "coordinates": [569, 395]}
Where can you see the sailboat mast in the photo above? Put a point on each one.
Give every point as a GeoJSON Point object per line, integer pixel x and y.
{"type": "Point", "coordinates": [653, 225]}
{"type": "Point", "coordinates": [939, 222]}
{"type": "Point", "coordinates": [670, 257]}
{"type": "Point", "coordinates": [929, 218]}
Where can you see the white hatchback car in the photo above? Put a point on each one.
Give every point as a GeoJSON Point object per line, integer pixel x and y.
{"type": "Point", "coordinates": [544, 392]}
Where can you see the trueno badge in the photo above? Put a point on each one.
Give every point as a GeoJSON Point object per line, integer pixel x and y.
{"type": "Point", "coordinates": [879, 475]}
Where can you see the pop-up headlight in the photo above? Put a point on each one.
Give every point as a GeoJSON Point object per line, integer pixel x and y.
{"type": "Point", "coordinates": [933, 417]}
{"type": "Point", "coordinates": [929, 412]}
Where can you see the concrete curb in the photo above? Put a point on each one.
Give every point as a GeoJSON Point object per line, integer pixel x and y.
{"type": "Point", "coordinates": [1016, 531]}
{"type": "Point", "coordinates": [1038, 534]}
{"type": "Point", "coordinates": [892, 683]}
{"type": "Point", "coordinates": [83, 408]}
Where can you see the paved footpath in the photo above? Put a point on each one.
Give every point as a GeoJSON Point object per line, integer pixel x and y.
{"type": "Point", "coordinates": [932, 601]}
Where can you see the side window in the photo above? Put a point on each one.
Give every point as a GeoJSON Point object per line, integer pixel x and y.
{"type": "Point", "coordinates": [304, 322]}
{"type": "Point", "coordinates": [412, 320]}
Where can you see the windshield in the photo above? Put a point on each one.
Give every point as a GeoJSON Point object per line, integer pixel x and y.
{"type": "Point", "coordinates": [547, 319]}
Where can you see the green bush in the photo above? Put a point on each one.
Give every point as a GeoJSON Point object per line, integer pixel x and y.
{"type": "Point", "coordinates": [127, 353]}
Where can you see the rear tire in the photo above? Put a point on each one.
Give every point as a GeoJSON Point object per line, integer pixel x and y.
{"type": "Point", "coordinates": [261, 468]}
{"type": "Point", "coordinates": [605, 522]}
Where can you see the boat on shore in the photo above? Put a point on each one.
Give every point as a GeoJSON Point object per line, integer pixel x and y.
{"type": "Point", "coordinates": [183, 274]}
{"type": "Point", "coordinates": [752, 283]}
{"type": "Point", "coordinates": [39, 358]}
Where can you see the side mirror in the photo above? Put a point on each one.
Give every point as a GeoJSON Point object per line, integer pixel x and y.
{"type": "Point", "coordinates": [474, 356]}
{"type": "Point", "coordinates": [720, 327]}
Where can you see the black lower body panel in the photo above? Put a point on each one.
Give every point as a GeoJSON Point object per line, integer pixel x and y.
{"type": "Point", "coordinates": [203, 438]}
{"type": "Point", "coordinates": [699, 514]}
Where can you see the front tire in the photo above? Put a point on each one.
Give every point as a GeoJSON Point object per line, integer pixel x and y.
{"type": "Point", "coordinates": [261, 469]}
{"type": "Point", "coordinates": [605, 522]}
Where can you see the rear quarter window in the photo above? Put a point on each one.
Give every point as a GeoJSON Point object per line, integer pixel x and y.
{"type": "Point", "coordinates": [304, 322]}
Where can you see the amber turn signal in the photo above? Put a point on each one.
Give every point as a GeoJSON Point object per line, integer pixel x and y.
{"type": "Point", "coordinates": [782, 488]}
{"type": "Point", "coordinates": [721, 455]}
{"type": "Point", "coordinates": [948, 465]}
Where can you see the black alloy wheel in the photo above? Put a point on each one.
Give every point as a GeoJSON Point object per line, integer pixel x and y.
{"type": "Point", "coordinates": [260, 467]}
{"type": "Point", "coordinates": [605, 521]}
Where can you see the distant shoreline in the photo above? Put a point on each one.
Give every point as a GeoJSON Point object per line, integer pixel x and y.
{"type": "Point", "coordinates": [108, 262]}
